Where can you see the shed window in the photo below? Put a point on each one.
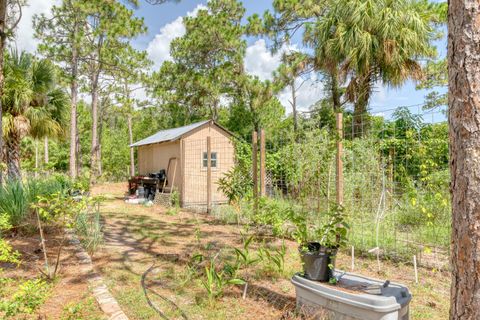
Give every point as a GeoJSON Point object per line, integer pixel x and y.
{"type": "Point", "coordinates": [213, 159]}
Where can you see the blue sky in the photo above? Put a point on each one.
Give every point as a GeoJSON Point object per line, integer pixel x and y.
{"type": "Point", "coordinates": [164, 23]}
{"type": "Point", "coordinates": [157, 17]}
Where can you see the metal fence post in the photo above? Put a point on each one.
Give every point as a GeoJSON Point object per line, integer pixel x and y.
{"type": "Point", "coordinates": [262, 163]}
{"type": "Point", "coordinates": [255, 169]}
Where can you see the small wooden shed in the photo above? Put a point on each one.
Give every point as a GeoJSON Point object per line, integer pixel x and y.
{"type": "Point", "coordinates": [183, 153]}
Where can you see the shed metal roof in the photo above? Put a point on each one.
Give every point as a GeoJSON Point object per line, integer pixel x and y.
{"type": "Point", "coordinates": [169, 134]}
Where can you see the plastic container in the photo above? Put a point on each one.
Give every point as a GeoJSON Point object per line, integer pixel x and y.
{"type": "Point", "coordinates": [317, 261]}
{"type": "Point", "coordinates": [346, 301]}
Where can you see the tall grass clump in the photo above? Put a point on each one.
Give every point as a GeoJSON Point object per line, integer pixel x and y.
{"type": "Point", "coordinates": [89, 228]}
{"type": "Point", "coordinates": [14, 202]}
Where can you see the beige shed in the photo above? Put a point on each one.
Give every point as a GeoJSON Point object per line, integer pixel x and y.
{"type": "Point", "coordinates": [183, 153]}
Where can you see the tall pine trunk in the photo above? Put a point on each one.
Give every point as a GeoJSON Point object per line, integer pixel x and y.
{"type": "Point", "coordinates": [94, 148]}
{"type": "Point", "coordinates": [3, 37]}
{"type": "Point", "coordinates": [73, 113]}
{"type": "Point", "coordinates": [293, 103]}
{"type": "Point", "coordinates": [464, 133]}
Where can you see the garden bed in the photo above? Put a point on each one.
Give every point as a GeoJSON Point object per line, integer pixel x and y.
{"type": "Point", "coordinates": [66, 297]}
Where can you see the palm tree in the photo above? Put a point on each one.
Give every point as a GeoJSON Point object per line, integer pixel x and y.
{"type": "Point", "coordinates": [32, 105]}
{"type": "Point", "coordinates": [370, 42]}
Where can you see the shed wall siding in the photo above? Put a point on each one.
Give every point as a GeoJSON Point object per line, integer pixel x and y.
{"type": "Point", "coordinates": [195, 178]}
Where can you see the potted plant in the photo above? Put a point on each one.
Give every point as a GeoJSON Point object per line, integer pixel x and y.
{"type": "Point", "coordinates": [319, 245]}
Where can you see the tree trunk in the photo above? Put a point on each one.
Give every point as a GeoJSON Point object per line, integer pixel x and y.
{"type": "Point", "coordinates": [99, 142]}
{"type": "Point", "coordinates": [13, 156]}
{"type": "Point", "coordinates": [293, 103]}
{"type": "Point", "coordinates": [94, 149]}
{"type": "Point", "coordinates": [73, 114]}
{"type": "Point", "coordinates": [3, 37]}
{"type": "Point", "coordinates": [360, 120]}
{"type": "Point", "coordinates": [335, 91]}
{"type": "Point", "coordinates": [464, 133]}
{"type": "Point", "coordinates": [45, 150]}
{"type": "Point", "coordinates": [130, 138]}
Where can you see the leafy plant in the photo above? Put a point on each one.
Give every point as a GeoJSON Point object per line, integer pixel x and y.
{"type": "Point", "coordinates": [333, 233]}
{"type": "Point", "coordinates": [244, 256]}
{"type": "Point", "coordinates": [215, 282]}
{"type": "Point", "coordinates": [274, 260]}
{"type": "Point", "coordinates": [235, 184]}
{"type": "Point", "coordinates": [14, 201]}
{"type": "Point", "coordinates": [29, 296]}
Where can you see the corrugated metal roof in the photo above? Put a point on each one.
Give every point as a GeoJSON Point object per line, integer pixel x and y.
{"type": "Point", "coordinates": [169, 134]}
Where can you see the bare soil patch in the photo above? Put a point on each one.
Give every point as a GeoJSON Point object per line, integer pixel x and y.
{"type": "Point", "coordinates": [69, 296]}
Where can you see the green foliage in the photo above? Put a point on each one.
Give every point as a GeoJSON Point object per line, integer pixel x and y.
{"type": "Point", "coordinates": [41, 187]}
{"type": "Point", "coordinates": [245, 258]}
{"type": "Point", "coordinates": [191, 85]}
{"type": "Point", "coordinates": [7, 253]}
{"type": "Point", "coordinates": [235, 185]}
{"type": "Point", "coordinates": [333, 233]}
{"type": "Point", "coordinates": [273, 213]}
{"type": "Point", "coordinates": [33, 104]}
{"type": "Point", "coordinates": [273, 260]}
{"type": "Point", "coordinates": [29, 296]}
{"type": "Point", "coordinates": [14, 201]}
{"type": "Point", "coordinates": [55, 207]}
{"type": "Point", "coordinates": [216, 281]}
{"type": "Point", "coordinates": [89, 229]}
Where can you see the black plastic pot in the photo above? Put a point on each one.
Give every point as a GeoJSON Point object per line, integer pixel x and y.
{"type": "Point", "coordinates": [318, 261]}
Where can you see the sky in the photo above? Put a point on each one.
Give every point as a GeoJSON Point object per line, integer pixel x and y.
{"type": "Point", "coordinates": [164, 23]}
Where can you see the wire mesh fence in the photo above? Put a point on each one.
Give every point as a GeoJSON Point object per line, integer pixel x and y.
{"type": "Point", "coordinates": [394, 185]}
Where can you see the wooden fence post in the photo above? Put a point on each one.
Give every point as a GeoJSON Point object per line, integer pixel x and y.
{"type": "Point", "coordinates": [255, 169]}
{"type": "Point", "coordinates": [262, 163]}
{"type": "Point", "coordinates": [339, 160]}
{"type": "Point", "coordinates": [209, 175]}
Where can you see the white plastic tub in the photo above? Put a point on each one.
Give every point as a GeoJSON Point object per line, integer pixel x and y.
{"type": "Point", "coordinates": [348, 302]}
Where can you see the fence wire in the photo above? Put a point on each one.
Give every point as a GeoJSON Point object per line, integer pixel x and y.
{"type": "Point", "coordinates": [396, 178]}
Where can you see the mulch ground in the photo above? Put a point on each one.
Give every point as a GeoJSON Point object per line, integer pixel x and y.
{"type": "Point", "coordinates": [69, 297]}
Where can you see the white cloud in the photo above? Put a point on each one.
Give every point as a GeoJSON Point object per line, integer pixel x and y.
{"type": "Point", "coordinates": [307, 93]}
{"type": "Point", "coordinates": [260, 62]}
{"type": "Point", "coordinates": [24, 34]}
{"type": "Point", "coordinates": [159, 48]}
